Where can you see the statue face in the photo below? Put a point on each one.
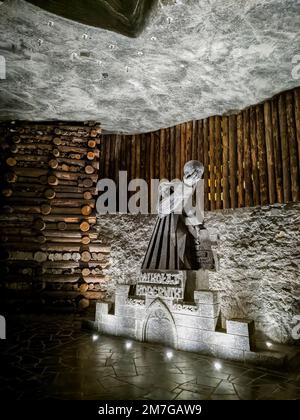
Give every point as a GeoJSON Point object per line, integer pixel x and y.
{"type": "Point", "coordinates": [193, 171]}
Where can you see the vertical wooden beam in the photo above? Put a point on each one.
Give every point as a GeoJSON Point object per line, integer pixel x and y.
{"type": "Point", "coordinates": [254, 157]}
{"type": "Point", "coordinates": [111, 173]}
{"type": "Point", "coordinates": [284, 149]}
{"type": "Point", "coordinates": [123, 153]}
{"type": "Point", "coordinates": [270, 152]}
{"type": "Point", "coordinates": [189, 134]}
{"type": "Point", "coordinates": [143, 157]}
{"type": "Point", "coordinates": [178, 151]}
{"type": "Point", "coordinates": [117, 157]}
{"type": "Point", "coordinates": [233, 161]}
{"type": "Point", "coordinates": [206, 164]}
{"type": "Point", "coordinates": [247, 159]}
{"type": "Point", "coordinates": [240, 160]}
{"type": "Point", "coordinates": [182, 148]}
{"type": "Point", "coordinates": [102, 157]}
{"type": "Point", "coordinates": [200, 142]}
{"type": "Point", "coordinates": [172, 153]}
{"type": "Point", "coordinates": [293, 149]}
{"type": "Point", "coordinates": [128, 156]}
{"type": "Point", "coordinates": [138, 156]}
{"type": "Point", "coordinates": [148, 167]}
{"type": "Point", "coordinates": [157, 154]}
{"type": "Point", "coordinates": [261, 145]}
{"type": "Point", "coordinates": [297, 119]}
{"type": "Point", "coordinates": [212, 154]}
{"type": "Point", "coordinates": [218, 161]}
{"type": "Point", "coordinates": [162, 152]}
{"type": "Point", "coordinates": [277, 150]}
{"type": "Point", "coordinates": [194, 141]}
{"type": "Point", "coordinates": [107, 156]}
{"type": "Point", "coordinates": [152, 156]}
{"type": "Point", "coordinates": [167, 154]}
{"type": "Point", "coordinates": [133, 157]}
{"type": "Point", "coordinates": [225, 158]}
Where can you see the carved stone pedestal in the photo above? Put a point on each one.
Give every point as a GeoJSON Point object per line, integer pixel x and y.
{"type": "Point", "coordinates": [155, 311]}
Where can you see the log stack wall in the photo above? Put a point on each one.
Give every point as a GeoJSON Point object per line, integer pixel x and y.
{"type": "Point", "coordinates": [49, 248]}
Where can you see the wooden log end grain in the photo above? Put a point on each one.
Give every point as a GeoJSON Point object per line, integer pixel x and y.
{"type": "Point", "coordinates": [7, 192]}
{"type": "Point", "coordinates": [83, 304]}
{"type": "Point", "coordinates": [83, 288]}
{"type": "Point", "coordinates": [87, 183]}
{"type": "Point", "coordinates": [39, 224]}
{"type": "Point", "coordinates": [55, 152]}
{"type": "Point", "coordinates": [86, 256]}
{"type": "Point", "coordinates": [87, 195]}
{"type": "Point", "coordinates": [40, 256]}
{"type": "Point", "coordinates": [84, 227]}
{"type": "Point", "coordinates": [85, 272]}
{"type": "Point", "coordinates": [62, 226]}
{"type": "Point", "coordinates": [94, 132]}
{"type": "Point", "coordinates": [92, 144]}
{"type": "Point", "coordinates": [11, 161]}
{"type": "Point", "coordinates": [89, 169]}
{"type": "Point", "coordinates": [52, 180]}
{"type": "Point", "coordinates": [16, 139]}
{"type": "Point", "coordinates": [49, 194]}
{"type": "Point", "coordinates": [85, 240]}
{"type": "Point", "coordinates": [53, 164]}
{"type": "Point", "coordinates": [45, 209]}
{"type": "Point", "coordinates": [90, 155]}
{"type": "Point", "coordinates": [11, 177]}
{"type": "Point", "coordinates": [57, 141]}
{"type": "Point", "coordinates": [86, 210]}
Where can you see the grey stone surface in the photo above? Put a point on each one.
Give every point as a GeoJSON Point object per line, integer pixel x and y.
{"type": "Point", "coordinates": [259, 262]}
{"type": "Point", "coordinates": [195, 58]}
{"type": "Point", "coordinates": [206, 297]}
{"type": "Point", "coordinates": [239, 327]}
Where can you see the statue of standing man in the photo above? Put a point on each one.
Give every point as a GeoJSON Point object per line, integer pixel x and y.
{"type": "Point", "coordinates": [179, 240]}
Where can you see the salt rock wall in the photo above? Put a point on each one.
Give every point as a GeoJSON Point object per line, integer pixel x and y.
{"type": "Point", "coordinates": [259, 258]}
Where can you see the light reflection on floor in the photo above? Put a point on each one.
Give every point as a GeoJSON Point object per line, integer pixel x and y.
{"type": "Point", "coordinates": [48, 357]}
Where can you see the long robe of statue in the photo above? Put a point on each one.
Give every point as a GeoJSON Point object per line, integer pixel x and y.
{"type": "Point", "coordinates": [179, 240]}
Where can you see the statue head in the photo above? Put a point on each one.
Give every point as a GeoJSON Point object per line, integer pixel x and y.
{"type": "Point", "coordinates": [193, 171]}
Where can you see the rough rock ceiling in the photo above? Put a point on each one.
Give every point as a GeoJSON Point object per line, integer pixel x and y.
{"type": "Point", "coordinates": [126, 17]}
{"type": "Point", "coordinates": [195, 58]}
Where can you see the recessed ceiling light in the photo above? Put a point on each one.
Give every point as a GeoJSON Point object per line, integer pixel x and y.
{"type": "Point", "coordinates": [169, 354]}
{"type": "Point", "coordinates": [217, 366]}
{"type": "Point", "coordinates": [128, 345]}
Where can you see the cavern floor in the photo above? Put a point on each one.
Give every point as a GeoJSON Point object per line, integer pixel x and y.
{"type": "Point", "coordinates": [51, 357]}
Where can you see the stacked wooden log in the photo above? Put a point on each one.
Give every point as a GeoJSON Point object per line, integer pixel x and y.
{"type": "Point", "coordinates": [49, 245]}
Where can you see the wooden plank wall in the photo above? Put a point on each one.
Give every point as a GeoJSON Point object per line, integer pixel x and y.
{"type": "Point", "coordinates": [250, 159]}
